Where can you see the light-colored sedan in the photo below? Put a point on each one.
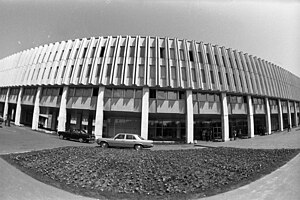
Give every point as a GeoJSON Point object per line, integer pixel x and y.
{"type": "Point", "coordinates": [125, 140]}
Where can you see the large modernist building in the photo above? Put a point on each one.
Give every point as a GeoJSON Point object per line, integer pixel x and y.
{"type": "Point", "coordinates": [160, 88]}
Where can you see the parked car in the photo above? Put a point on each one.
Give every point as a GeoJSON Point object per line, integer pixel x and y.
{"type": "Point", "coordinates": [76, 134]}
{"type": "Point", "coordinates": [125, 140]}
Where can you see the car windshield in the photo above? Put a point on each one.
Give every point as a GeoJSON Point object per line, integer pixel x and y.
{"type": "Point", "coordinates": [140, 137]}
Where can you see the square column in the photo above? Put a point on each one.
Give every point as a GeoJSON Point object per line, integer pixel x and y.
{"type": "Point", "coordinates": [268, 117]}
{"type": "Point", "coordinates": [280, 118]}
{"type": "Point", "coordinates": [224, 118]}
{"type": "Point", "coordinates": [289, 115]}
{"type": "Point", "coordinates": [5, 111]}
{"type": "Point", "coordinates": [145, 113]}
{"type": "Point", "coordinates": [250, 117]}
{"type": "Point", "coordinates": [36, 110]}
{"type": "Point", "coordinates": [62, 115]}
{"type": "Point", "coordinates": [189, 117]}
{"type": "Point", "coordinates": [99, 113]}
{"type": "Point", "coordinates": [18, 108]}
{"type": "Point", "coordinates": [295, 114]}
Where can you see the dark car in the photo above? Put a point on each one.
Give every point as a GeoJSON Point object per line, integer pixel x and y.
{"type": "Point", "coordinates": [76, 134]}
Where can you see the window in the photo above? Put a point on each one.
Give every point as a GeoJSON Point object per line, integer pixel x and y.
{"type": "Point", "coordinates": [173, 72]}
{"type": "Point", "coordinates": [141, 71]}
{"type": "Point", "coordinates": [98, 70]}
{"type": "Point", "coordinates": [152, 94]}
{"type": "Point", "coordinates": [220, 78]}
{"type": "Point", "coordinates": [75, 56]}
{"type": "Point", "coordinates": [191, 56]}
{"type": "Point", "coordinates": [56, 71]}
{"type": "Point", "coordinates": [79, 71]}
{"type": "Point", "coordinates": [87, 92]}
{"type": "Point", "coordinates": [152, 52]}
{"type": "Point", "coordinates": [129, 93]}
{"type": "Point", "coordinates": [95, 92]}
{"type": "Point", "coordinates": [200, 57]}
{"type": "Point", "coordinates": [161, 94]}
{"type": "Point", "coordinates": [193, 75]}
{"type": "Point", "coordinates": [142, 52]}
{"type": "Point", "coordinates": [181, 95]}
{"type": "Point", "coordinates": [231, 64]}
{"type": "Point", "coordinates": [130, 137]}
{"type": "Point", "coordinates": [107, 92]}
{"type": "Point", "coordinates": [227, 79]}
{"type": "Point", "coordinates": [43, 73]}
{"type": "Point", "coordinates": [138, 94]}
{"type": "Point", "coordinates": [111, 52]}
{"type": "Point", "coordinates": [130, 71]}
{"type": "Point", "coordinates": [202, 97]}
{"type": "Point", "coordinates": [63, 72]}
{"type": "Point", "coordinates": [203, 76]}
{"type": "Point", "coordinates": [236, 62]}
{"type": "Point", "coordinates": [217, 62]}
{"type": "Point", "coordinates": [208, 59]}
{"type": "Point", "coordinates": [49, 72]}
{"type": "Point", "coordinates": [37, 75]}
{"type": "Point", "coordinates": [131, 51]}
{"type": "Point", "coordinates": [122, 51]}
{"type": "Point", "coordinates": [152, 71]}
{"type": "Point", "coordinates": [93, 52]}
{"type": "Point", "coordinates": [108, 71]}
{"type": "Point", "coordinates": [172, 95]}
{"type": "Point", "coordinates": [78, 92]}
{"type": "Point", "coordinates": [119, 70]}
{"type": "Point", "coordinates": [162, 52]}
{"type": "Point", "coordinates": [32, 74]}
{"type": "Point", "coordinates": [61, 55]}
{"type": "Point", "coordinates": [120, 137]}
{"type": "Point", "coordinates": [88, 71]}
{"type": "Point", "coordinates": [212, 77]}
{"type": "Point", "coordinates": [102, 51]}
{"type": "Point", "coordinates": [181, 54]}
{"type": "Point", "coordinates": [84, 52]}
{"type": "Point", "coordinates": [163, 71]}
{"type": "Point", "coordinates": [172, 53]}
{"type": "Point", "coordinates": [69, 53]}
{"type": "Point", "coordinates": [118, 93]}
{"type": "Point", "coordinates": [223, 59]}
{"type": "Point", "coordinates": [210, 97]}
{"type": "Point", "coordinates": [183, 72]}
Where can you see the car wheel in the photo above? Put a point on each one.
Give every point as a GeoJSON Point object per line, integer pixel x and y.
{"type": "Point", "coordinates": [61, 137]}
{"type": "Point", "coordinates": [138, 147]}
{"type": "Point", "coordinates": [81, 140]}
{"type": "Point", "coordinates": [103, 145]}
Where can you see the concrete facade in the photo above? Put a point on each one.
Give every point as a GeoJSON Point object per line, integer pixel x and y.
{"type": "Point", "coordinates": [160, 88]}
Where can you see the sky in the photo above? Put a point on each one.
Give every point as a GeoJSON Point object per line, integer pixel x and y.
{"type": "Point", "coordinates": [267, 29]}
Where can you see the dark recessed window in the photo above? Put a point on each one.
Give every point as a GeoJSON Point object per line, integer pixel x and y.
{"type": "Point", "coordinates": [162, 52]}
{"type": "Point", "coordinates": [98, 70]}
{"type": "Point", "coordinates": [181, 52]}
{"type": "Point", "coordinates": [111, 52]}
{"type": "Point", "coordinates": [131, 51]}
{"type": "Point", "coordinates": [181, 95]}
{"type": "Point", "coordinates": [217, 61]}
{"type": "Point", "coordinates": [79, 71]}
{"type": "Point", "coordinates": [122, 51]}
{"type": "Point", "coordinates": [119, 70]}
{"type": "Point", "coordinates": [142, 52]}
{"type": "Point", "coordinates": [227, 79]}
{"type": "Point", "coordinates": [172, 53]}
{"type": "Point", "coordinates": [95, 92]}
{"type": "Point", "coordinates": [108, 71]}
{"type": "Point", "coordinates": [173, 72]}
{"type": "Point", "coordinates": [203, 76]}
{"type": "Point", "coordinates": [88, 71]}
{"type": "Point", "coordinates": [61, 55]}
{"type": "Point", "coordinates": [141, 71]}
{"type": "Point", "coordinates": [84, 52]}
{"type": "Point", "coordinates": [152, 71]}
{"type": "Point", "coordinates": [93, 52]}
{"type": "Point", "coordinates": [200, 57]}
{"type": "Point", "coordinates": [69, 53]}
{"type": "Point", "coordinates": [208, 58]}
{"type": "Point", "coordinates": [130, 71]}
{"type": "Point", "coordinates": [152, 52]}
{"type": "Point", "coordinates": [56, 71]}
{"type": "Point", "coordinates": [152, 94]}
{"type": "Point", "coordinates": [63, 72]}
{"type": "Point", "coordinates": [49, 72]}
{"type": "Point", "coordinates": [191, 56]}
{"type": "Point", "coordinates": [193, 75]}
{"type": "Point", "coordinates": [212, 77]}
{"type": "Point", "coordinates": [223, 59]}
{"type": "Point", "coordinates": [76, 53]}
{"type": "Point", "coordinates": [220, 78]}
{"type": "Point", "coordinates": [102, 51]}
{"type": "Point", "coordinates": [183, 73]}
{"type": "Point", "coordinates": [163, 71]}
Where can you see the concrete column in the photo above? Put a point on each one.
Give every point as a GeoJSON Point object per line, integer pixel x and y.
{"type": "Point", "coordinates": [36, 109]}
{"type": "Point", "coordinates": [289, 114]}
{"type": "Point", "coordinates": [145, 113]}
{"type": "Point", "coordinates": [189, 117]}
{"type": "Point", "coordinates": [225, 119]}
{"type": "Point", "coordinates": [268, 117]}
{"type": "Point", "coordinates": [62, 115]}
{"type": "Point", "coordinates": [280, 118]}
{"type": "Point", "coordinates": [99, 113]}
{"type": "Point", "coordinates": [5, 111]}
{"type": "Point", "coordinates": [250, 117]}
{"type": "Point", "coordinates": [296, 113]}
{"type": "Point", "coordinates": [18, 108]}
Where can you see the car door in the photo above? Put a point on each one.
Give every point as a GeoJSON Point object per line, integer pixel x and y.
{"type": "Point", "coordinates": [118, 141]}
{"type": "Point", "coordinates": [130, 141]}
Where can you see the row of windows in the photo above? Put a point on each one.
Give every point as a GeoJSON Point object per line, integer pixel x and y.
{"type": "Point", "coordinates": [258, 101]}
{"type": "Point", "coordinates": [169, 95]}
{"type": "Point", "coordinates": [52, 91]}
{"type": "Point", "coordinates": [82, 92]}
{"type": "Point", "coordinates": [123, 93]}
{"type": "Point", "coordinates": [272, 102]}
{"type": "Point", "coordinates": [3, 91]}
{"type": "Point", "coordinates": [29, 92]}
{"type": "Point", "coordinates": [236, 99]}
{"type": "Point", "coordinates": [206, 97]}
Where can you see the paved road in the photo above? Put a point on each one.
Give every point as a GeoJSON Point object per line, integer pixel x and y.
{"type": "Point", "coordinates": [281, 184]}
